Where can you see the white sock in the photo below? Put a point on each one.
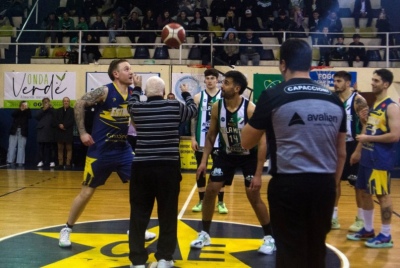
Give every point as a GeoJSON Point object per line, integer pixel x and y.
{"type": "Point", "coordinates": [335, 213]}
{"type": "Point", "coordinates": [369, 220]}
{"type": "Point", "coordinates": [360, 214]}
{"type": "Point", "coordinates": [386, 229]}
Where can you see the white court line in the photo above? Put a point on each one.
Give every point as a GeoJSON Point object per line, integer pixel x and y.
{"type": "Point", "coordinates": [342, 257]}
{"type": "Point", "coordinates": [187, 202]}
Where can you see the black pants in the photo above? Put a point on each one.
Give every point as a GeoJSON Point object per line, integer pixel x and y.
{"type": "Point", "coordinates": [46, 152]}
{"type": "Point", "coordinates": [147, 184]}
{"type": "Point", "coordinates": [301, 208]}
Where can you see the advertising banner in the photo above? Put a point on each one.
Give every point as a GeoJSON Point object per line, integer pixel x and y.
{"type": "Point", "coordinates": [264, 81]}
{"type": "Point", "coordinates": [34, 86]}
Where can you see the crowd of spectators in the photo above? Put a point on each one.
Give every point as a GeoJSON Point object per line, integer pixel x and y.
{"type": "Point", "coordinates": [142, 22]}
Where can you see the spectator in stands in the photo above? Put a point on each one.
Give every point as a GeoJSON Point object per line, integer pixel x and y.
{"type": "Point", "coordinates": [217, 27]}
{"type": "Point", "coordinates": [64, 133]}
{"type": "Point", "coordinates": [323, 6]}
{"type": "Point", "coordinates": [16, 9]}
{"type": "Point", "coordinates": [249, 21]}
{"type": "Point", "coordinates": [188, 7]}
{"type": "Point", "coordinates": [4, 21]}
{"type": "Point", "coordinates": [339, 53]}
{"type": "Point", "coordinates": [99, 28]}
{"type": "Point", "coordinates": [45, 134]}
{"type": "Point", "coordinates": [264, 9]}
{"type": "Point", "coordinates": [163, 19]}
{"type": "Point", "coordinates": [334, 24]}
{"type": "Point", "coordinates": [230, 55]}
{"type": "Point", "coordinates": [82, 26]}
{"type": "Point", "coordinates": [211, 51]}
{"type": "Point", "coordinates": [198, 23]}
{"type": "Point", "coordinates": [50, 25]}
{"type": "Point", "coordinates": [90, 52]}
{"type": "Point", "coordinates": [250, 52]}
{"type": "Point", "coordinates": [114, 25]}
{"type": "Point", "coordinates": [133, 26]}
{"type": "Point", "coordinates": [281, 23]}
{"type": "Point", "coordinates": [18, 134]}
{"type": "Point", "coordinates": [297, 25]}
{"type": "Point", "coordinates": [315, 25]}
{"type": "Point", "coordinates": [183, 20]}
{"type": "Point", "coordinates": [89, 9]}
{"type": "Point", "coordinates": [67, 25]}
{"type": "Point", "coordinates": [231, 21]}
{"type": "Point", "coordinates": [148, 23]}
{"type": "Point", "coordinates": [136, 9]}
{"type": "Point", "coordinates": [383, 26]}
{"type": "Point", "coordinates": [324, 52]}
{"type": "Point", "coordinates": [249, 4]}
{"type": "Point", "coordinates": [218, 8]}
{"type": "Point", "coordinates": [357, 53]}
{"type": "Point", "coordinates": [75, 7]}
{"type": "Point", "coordinates": [362, 9]}
{"type": "Point", "coordinates": [235, 5]}
{"type": "Point", "coordinates": [122, 7]}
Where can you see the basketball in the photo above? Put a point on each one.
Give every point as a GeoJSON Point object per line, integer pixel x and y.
{"type": "Point", "coordinates": [173, 35]}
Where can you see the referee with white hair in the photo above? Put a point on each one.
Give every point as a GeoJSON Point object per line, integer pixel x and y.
{"type": "Point", "coordinates": [156, 168]}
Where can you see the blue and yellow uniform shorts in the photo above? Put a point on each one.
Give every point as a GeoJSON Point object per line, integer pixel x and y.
{"type": "Point", "coordinates": [373, 181]}
{"type": "Point", "coordinates": [97, 170]}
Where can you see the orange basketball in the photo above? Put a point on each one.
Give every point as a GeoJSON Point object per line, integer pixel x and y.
{"type": "Point", "coordinates": [173, 35]}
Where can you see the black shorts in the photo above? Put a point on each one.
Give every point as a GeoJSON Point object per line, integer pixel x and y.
{"type": "Point", "coordinates": [224, 167]}
{"type": "Point", "coordinates": [350, 170]}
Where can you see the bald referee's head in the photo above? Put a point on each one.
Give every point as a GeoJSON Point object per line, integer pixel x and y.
{"type": "Point", "coordinates": [155, 86]}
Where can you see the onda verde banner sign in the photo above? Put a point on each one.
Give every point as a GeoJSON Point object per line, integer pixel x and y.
{"type": "Point", "coordinates": [34, 86]}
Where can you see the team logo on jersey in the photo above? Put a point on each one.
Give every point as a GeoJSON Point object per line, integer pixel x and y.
{"type": "Point", "coordinates": [217, 172]}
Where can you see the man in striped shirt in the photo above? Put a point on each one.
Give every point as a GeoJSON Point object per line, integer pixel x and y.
{"type": "Point", "coordinates": [156, 167]}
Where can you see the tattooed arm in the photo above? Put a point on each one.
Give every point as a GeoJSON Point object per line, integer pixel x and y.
{"type": "Point", "coordinates": [361, 108]}
{"type": "Point", "coordinates": [89, 99]}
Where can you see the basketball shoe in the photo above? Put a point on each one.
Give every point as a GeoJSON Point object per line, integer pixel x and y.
{"type": "Point", "coordinates": [268, 247]}
{"type": "Point", "coordinates": [162, 264]}
{"type": "Point", "coordinates": [361, 235]}
{"type": "Point", "coordinates": [148, 236]}
{"type": "Point", "coordinates": [65, 241]}
{"type": "Point", "coordinates": [222, 208]}
{"type": "Point", "coordinates": [380, 241]}
{"type": "Point", "coordinates": [198, 207]}
{"type": "Point", "coordinates": [335, 225]}
{"type": "Point", "coordinates": [357, 225]}
{"type": "Point", "coordinates": [202, 240]}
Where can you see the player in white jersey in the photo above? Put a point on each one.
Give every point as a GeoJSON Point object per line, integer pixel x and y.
{"type": "Point", "coordinates": [199, 129]}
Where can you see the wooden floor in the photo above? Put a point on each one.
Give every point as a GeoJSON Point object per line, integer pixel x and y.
{"type": "Point", "coordinates": [32, 199]}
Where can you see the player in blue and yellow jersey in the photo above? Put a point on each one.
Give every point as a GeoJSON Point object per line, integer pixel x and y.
{"type": "Point", "coordinates": [376, 153]}
{"type": "Point", "coordinates": [228, 117]}
{"type": "Point", "coordinates": [108, 149]}
{"type": "Point", "coordinates": [199, 128]}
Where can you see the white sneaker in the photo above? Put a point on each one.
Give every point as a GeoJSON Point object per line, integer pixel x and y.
{"type": "Point", "coordinates": [52, 164]}
{"type": "Point", "coordinates": [202, 240]}
{"type": "Point", "coordinates": [64, 237]}
{"type": "Point", "coordinates": [148, 236]}
{"type": "Point", "coordinates": [137, 266]}
{"type": "Point", "coordinates": [268, 247]}
{"type": "Point", "coordinates": [40, 164]}
{"type": "Point", "coordinates": [162, 264]}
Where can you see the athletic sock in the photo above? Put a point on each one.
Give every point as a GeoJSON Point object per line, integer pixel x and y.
{"type": "Point", "coordinates": [69, 226]}
{"type": "Point", "coordinates": [369, 220]}
{"type": "Point", "coordinates": [206, 226]}
{"type": "Point", "coordinates": [360, 213]}
{"type": "Point", "coordinates": [335, 213]}
{"type": "Point", "coordinates": [221, 197]}
{"type": "Point", "coordinates": [386, 229]}
{"type": "Point", "coordinates": [201, 195]}
{"type": "Point", "coordinates": [267, 229]}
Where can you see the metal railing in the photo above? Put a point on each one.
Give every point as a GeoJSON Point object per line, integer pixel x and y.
{"type": "Point", "coordinates": [285, 35]}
